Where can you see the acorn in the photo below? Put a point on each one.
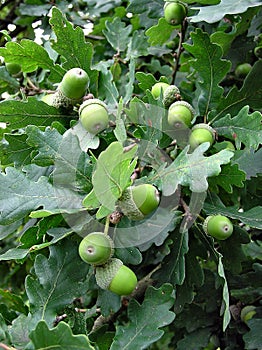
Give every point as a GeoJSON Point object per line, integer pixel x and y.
{"type": "Point", "coordinates": [116, 277]}
{"type": "Point", "coordinates": [13, 69]}
{"type": "Point", "coordinates": [201, 133]}
{"type": "Point", "coordinates": [139, 201]}
{"type": "Point", "coordinates": [72, 88]}
{"type": "Point", "coordinates": [218, 226]}
{"type": "Point", "coordinates": [157, 87]}
{"type": "Point", "coordinates": [96, 248]}
{"type": "Point", "coordinates": [94, 116]}
{"type": "Point", "coordinates": [175, 12]}
{"type": "Point", "coordinates": [171, 95]}
{"type": "Point", "coordinates": [180, 114]}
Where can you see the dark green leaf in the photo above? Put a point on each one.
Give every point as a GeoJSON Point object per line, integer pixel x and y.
{"type": "Point", "coordinates": [249, 161]}
{"type": "Point", "coordinates": [253, 338]}
{"type": "Point", "coordinates": [145, 320]}
{"type": "Point", "coordinates": [60, 337]}
{"type": "Point", "coordinates": [18, 114]}
{"type": "Point", "coordinates": [230, 176]}
{"type": "Point", "coordinates": [210, 67]}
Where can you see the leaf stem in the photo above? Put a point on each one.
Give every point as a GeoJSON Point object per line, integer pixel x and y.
{"type": "Point", "coordinates": [180, 48]}
{"type": "Point", "coordinates": [107, 225]}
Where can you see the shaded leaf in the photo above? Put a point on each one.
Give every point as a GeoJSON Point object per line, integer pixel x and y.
{"type": "Point", "coordinates": [117, 34]}
{"type": "Point", "coordinates": [242, 132]}
{"type": "Point", "coordinates": [225, 311]}
{"type": "Point", "coordinates": [210, 67]}
{"type": "Point", "coordinates": [253, 338]}
{"type": "Point", "coordinates": [17, 151]}
{"type": "Point", "coordinates": [145, 320]}
{"type": "Point", "coordinates": [249, 161]}
{"type": "Point", "coordinates": [56, 282]}
{"type": "Point", "coordinates": [137, 46]}
{"type": "Point", "coordinates": [60, 337]}
{"type": "Point", "coordinates": [250, 94]}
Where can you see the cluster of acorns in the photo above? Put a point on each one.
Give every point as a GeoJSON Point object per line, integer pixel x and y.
{"type": "Point", "coordinates": [181, 114]}
{"type": "Point", "coordinates": [93, 113]}
{"type": "Point", "coordinates": [97, 248]}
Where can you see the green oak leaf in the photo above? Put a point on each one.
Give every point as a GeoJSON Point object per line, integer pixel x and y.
{"type": "Point", "coordinates": [253, 338]}
{"type": "Point", "coordinates": [19, 195]}
{"type": "Point", "coordinates": [230, 176]}
{"type": "Point", "coordinates": [249, 161]}
{"type": "Point", "coordinates": [250, 94]}
{"type": "Point", "coordinates": [56, 281]}
{"type": "Point", "coordinates": [117, 34]}
{"type": "Point", "coordinates": [114, 167]}
{"type": "Point", "coordinates": [215, 13]}
{"type": "Point", "coordinates": [60, 337]}
{"type": "Point", "coordinates": [30, 56]}
{"type": "Point", "coordinates": [210, 67]}
{"type": "Point", "coordinates": [192, 169]}
{"type": "Point", "coordinates": [16, 151]}
{"type": "Point", "coordinates": [19, 114]}
{"type": "Point", "coordinates": [145, 319]}
{"type": "Point", "coordinates": [70, 42]}
{"type": "Point", "coordinates": [160, 33]}
{"type": "Point", "coordinates": [238, 129]}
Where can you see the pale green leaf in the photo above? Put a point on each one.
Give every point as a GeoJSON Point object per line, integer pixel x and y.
{"type": "Point", "coordinates": [60, 337]}
{"type": "Point", "coordinates": [145, 320]}
{"type": "Point", "coordinates": [192, 169]}
{"type": "Point", "coordinates": [225, 306]}
{"type": "Point", "coordinates": [215, 13]}
{"type": "Point", "coordinates": [30, 56]}
{"type": "Point", "coordinates": [160, 33]}
{"type": "Point", "coordinates": [244, 128]}
{"type": "Point", "coordinates": [19, 195]}
{"type": "Point", "coordinates": [114, 167]}
{"type": "Point", "coordinates": [249, 161]}
{"type": "Point", "coordinates": [117, 34]}
{"type": "Point", "coordinates": [137, 46]}
{"type": "Point", "coordinates": [120, 130]}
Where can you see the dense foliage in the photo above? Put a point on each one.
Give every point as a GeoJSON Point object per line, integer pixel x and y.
{"type": "Point", "coordinates": [199, 286]}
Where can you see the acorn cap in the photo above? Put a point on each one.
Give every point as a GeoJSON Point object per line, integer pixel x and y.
{"type": "Point", "coordinates": [128, 206]}
{"type": "Point", "coordinates": [206, 223]}
{"type": "Point", "coordinates": [105, 274]}
{"type": "Point", "coordinates": [170, 95]}
{"type": "Point", "coordinates": [61, 101]}
{"type": "Point", "coordinates": [91, 102]}
{"type": "Point", "coordinates": [205, 126]}
{"type": "Point", "coordinates": [185, 104]}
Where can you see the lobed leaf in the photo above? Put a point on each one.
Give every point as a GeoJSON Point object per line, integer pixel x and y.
{"type": "Point", "coordinates": [145, 320]}
{"type": "Point", "coordinates": [210, 67]}
{"type": "Point", "coordinates": [117, 34]}
{"type": "Point", "coordinates": [30, 56]}
{"type": "Point", "coordinates": [215, 13]}
{"type": "Point", "coordinates": [60, 337]}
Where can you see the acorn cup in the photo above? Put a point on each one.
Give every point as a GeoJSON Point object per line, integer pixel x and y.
{"type": "Point", "coordinates": [72, 89]}
{"type": "Point", "coordinates": [171, 94]}
{"type": "Point", "coordinates": [139, 201]}
{"type": "Point", "coordinates": [116, 277]}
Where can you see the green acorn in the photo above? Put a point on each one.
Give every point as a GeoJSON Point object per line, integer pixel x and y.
{"type": "Point", "coordinates": [13, 69]}
{"type": "Point", "coordinates": [180, 114]}
{"type": "Point", "coordinates": [171, 94]}
{"type": "Point", "coordinates": [139, 201]}
{"type": "Point", "coordinates": [175, 12]}
{"type": "Point", "coordinates": [157, 87]}
{"type": "Point", "coordinates": [201, 133]}
{"type": "Point", "coordinates": [93, 115]}
{"type": "Point", "coordinates": [116, 277]}
{"type": "Point", "coordinates": [218, 226]}
{"type": "Point", "coordinates": [72, 88]}
{"type": "Point", "coordinates": [96, 248]}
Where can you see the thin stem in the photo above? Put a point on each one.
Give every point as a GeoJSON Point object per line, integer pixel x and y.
{"type": "Point", "coordinates": [107, 225]}
{"type": "Point", "coordinates": [179, 51]}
